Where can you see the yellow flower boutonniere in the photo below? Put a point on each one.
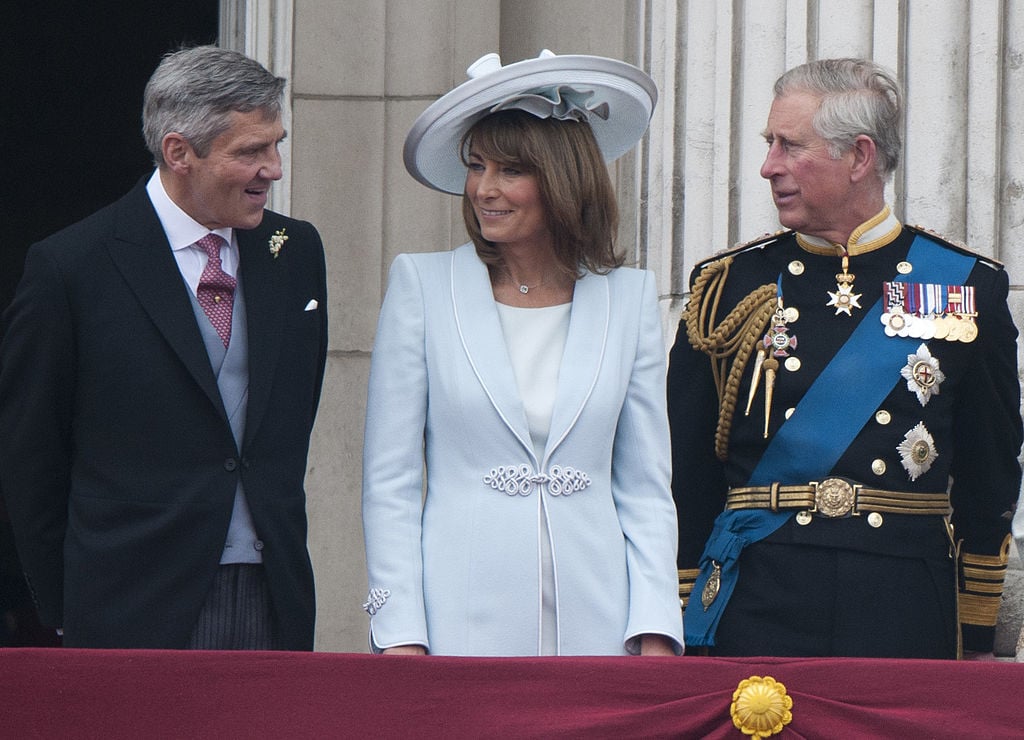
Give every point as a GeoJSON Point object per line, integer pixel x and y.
{"type": "Point", "coordinates": [276, 242]}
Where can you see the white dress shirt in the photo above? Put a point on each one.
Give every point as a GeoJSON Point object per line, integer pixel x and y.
{"type": "Point", "coordinates": [183, 232]}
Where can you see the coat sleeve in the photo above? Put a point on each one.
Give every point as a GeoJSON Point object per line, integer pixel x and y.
{"type": "Point", "coordinates": [698, 477]}
{"type": "Point", "coordinates": [640, 486]}
{"type": "Point", "coordinates": [36, 397]}
{"type": "Point", "coordinates": [985, 471]}
{"type": "Point", "coordinates": [393, 465]}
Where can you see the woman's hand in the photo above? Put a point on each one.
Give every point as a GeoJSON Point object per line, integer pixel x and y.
{"type": "Point", "coordinates": [405, 650]}
{"type": "Point", "coordinates": [656, 645]}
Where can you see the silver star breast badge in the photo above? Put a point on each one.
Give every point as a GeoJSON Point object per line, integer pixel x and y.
{"type": "Point", "coordinates": [917, 451]}
{"type": "Point", "coordinates": [923, 375]}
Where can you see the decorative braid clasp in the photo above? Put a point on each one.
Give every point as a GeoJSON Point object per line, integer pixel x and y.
{"type": "Point", "coordinates": [375, 600]}
{"type": "Point", "coordinates": [520, 480]}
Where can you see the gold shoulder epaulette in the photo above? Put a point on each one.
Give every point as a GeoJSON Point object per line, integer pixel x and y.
{"type": "Point", "coordinates": [956, 245]}
{"type": "Point", "coordinates": [760, 241]}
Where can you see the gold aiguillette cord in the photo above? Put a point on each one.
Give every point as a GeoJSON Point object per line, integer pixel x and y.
{"type": "Point", "coordinates": [755, 379]}
{"type": "Point", "coordinates": [777, 341]}
{"type": "Point", "coordinates": [771, 366]}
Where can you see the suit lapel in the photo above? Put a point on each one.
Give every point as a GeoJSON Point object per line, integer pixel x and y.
{"type": "Point", "coordinates": [479, 328]}
{"type": "Point", "coordinates": [263, 284]}
{"type": "Point", "coordinates": [142, 254]}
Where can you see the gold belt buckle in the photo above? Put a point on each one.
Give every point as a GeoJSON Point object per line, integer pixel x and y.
{"type": "Point", "coordinates": [834, 497]}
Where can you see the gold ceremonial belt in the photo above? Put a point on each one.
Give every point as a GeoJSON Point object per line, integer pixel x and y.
{"type": "Point", "coordinates": [837, 497]}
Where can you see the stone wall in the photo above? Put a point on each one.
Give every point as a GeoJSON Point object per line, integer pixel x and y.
{"type": "Point", "coordinates": [362, 70]}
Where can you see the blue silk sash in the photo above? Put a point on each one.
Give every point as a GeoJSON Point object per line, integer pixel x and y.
{"type": "Point", "coordinates": [864, 368]}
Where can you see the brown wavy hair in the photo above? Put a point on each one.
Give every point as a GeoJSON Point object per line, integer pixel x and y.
{"type": "Point", "coordinates": [575, 189]}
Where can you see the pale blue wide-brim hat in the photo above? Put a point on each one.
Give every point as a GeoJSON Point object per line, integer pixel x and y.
{"type": "Point", "coordinates": [615, 98]}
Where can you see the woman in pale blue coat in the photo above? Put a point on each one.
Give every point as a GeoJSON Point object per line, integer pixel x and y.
{"type": "Point", "coordinates": [527, 369]}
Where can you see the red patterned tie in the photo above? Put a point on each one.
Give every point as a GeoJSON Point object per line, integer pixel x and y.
{"type": "Point", "coordinates": [216, 292]}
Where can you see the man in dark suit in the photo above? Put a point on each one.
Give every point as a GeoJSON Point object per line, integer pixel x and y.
{"type": "Point", "coordinates": [159, 379]}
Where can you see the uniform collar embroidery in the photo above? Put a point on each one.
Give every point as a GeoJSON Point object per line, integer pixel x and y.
{"type": "Point", "coordinates": [875, 233]}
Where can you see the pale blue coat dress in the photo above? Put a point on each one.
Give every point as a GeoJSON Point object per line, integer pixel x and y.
{"type": "Point", "coordinates": [460, 570]}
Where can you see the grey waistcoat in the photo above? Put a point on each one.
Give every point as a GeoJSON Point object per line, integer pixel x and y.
{"type": "Point", "coordinates": [231, 367]}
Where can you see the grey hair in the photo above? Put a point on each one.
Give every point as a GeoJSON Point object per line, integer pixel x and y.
{"type": "Point", "coordinates": [194, 91]}
{"type": "Point", "coordinates": [858, 97]}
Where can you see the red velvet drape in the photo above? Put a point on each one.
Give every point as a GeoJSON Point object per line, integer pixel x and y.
{"type": "Point", "coordinates": [47, 693]}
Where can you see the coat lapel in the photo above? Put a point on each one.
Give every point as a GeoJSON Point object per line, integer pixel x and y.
{"type": "Point", "coordinates": [584, 352]}
{"type": "Point", "coordinates": [479, 327]}
{"type": "Point", "coordinates": [142, 254]}
{"type": "Point", "coordinates": [482, 340]}
{"type": "Point", "coordinates": [263, 280]}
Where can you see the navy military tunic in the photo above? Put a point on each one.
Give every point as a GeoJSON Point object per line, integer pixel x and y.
{"type": "Point", "coordinates": [884, 585]}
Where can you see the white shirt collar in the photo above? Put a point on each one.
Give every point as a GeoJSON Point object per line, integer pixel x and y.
{"type": "Point", "coordinates": [181, 229]}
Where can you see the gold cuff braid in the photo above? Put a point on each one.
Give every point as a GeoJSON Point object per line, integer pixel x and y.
{"type": "Point", "coordinates": [729, 343]}
{"type": "Point", "coordinates": [687, 578]}
{"type": "Point", "coordinates": [982, 590]}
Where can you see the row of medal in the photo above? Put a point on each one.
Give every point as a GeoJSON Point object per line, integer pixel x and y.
{"type": "Point", "coordinates": [919, 310]}
{"type": "Point", "coordinates": [922, 374]}
{"type": "Point", "coordinates": [929, 311]}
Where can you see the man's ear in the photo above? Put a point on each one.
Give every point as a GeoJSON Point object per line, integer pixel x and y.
{"type": "Point", "coordinates": [864, 156]}
{"type": "Point", "coordinates": [177, 153]}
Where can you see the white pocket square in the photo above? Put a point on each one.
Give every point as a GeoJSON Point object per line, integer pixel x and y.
{"type": "Point", "coordinates": [312, 305]}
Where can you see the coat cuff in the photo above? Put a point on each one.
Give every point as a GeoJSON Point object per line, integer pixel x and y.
{"type": "Point", "coordinates": [981, 593]}
{"type": "Point", "coordinates": [687, 577]}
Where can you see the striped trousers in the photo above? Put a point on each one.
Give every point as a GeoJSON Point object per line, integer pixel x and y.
{"type": "Point", "coordinates": [237, 614]}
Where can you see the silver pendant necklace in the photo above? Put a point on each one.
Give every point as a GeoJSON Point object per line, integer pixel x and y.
{"type": "Point", "coordinates": [523, 287]}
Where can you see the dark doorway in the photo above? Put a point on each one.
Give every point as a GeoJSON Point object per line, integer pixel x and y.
{"type": "Point", "coordinates": [70, 142]}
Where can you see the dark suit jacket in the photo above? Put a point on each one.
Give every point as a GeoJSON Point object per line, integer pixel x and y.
{"type": "Point", "coordinates": [116, 457]}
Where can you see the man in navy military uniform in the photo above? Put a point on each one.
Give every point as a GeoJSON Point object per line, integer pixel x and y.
{"type": "Point", "coordinates": [844, 406]}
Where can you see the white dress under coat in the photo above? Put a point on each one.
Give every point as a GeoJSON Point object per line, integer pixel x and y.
{"type": "Point", "coordinates": [459, 570]}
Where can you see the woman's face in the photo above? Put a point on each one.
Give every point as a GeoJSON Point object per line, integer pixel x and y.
{"type": "Point", "coordinates": [507, 203]}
